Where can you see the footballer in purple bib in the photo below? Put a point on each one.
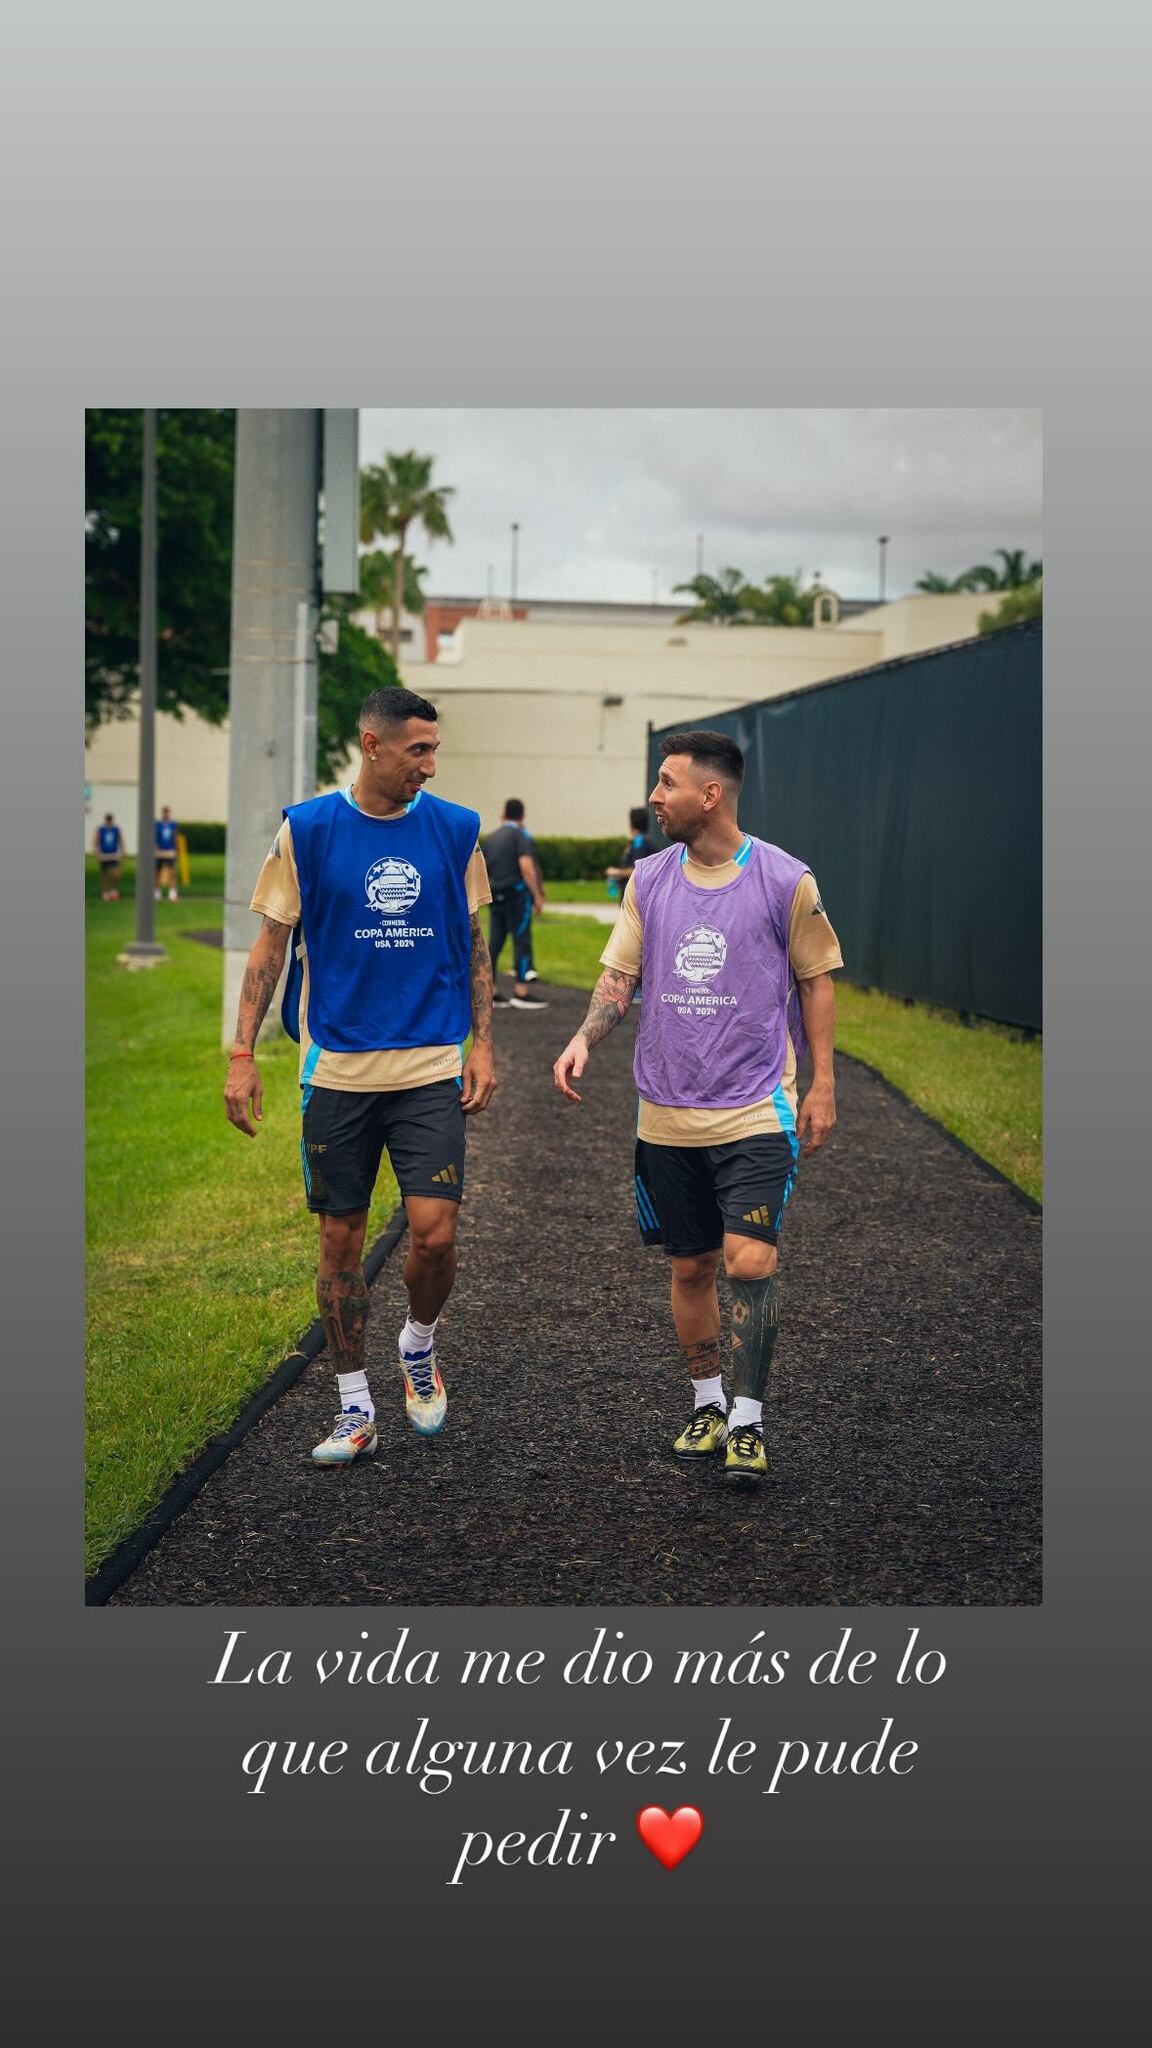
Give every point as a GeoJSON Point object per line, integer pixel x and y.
{"type": "Point", "coordinates": [378, 887]}
{"type": "Point", "coordinates": [736, 954]}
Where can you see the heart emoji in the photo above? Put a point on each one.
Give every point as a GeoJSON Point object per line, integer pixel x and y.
{"type": "Point", "coordinates": [670, 1835]}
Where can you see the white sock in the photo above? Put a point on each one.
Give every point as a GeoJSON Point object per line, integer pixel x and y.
{"type": "Point", "coordinates": [354, 1393]}
{"type": "Point", "coordinates": [417, 1337]}
{"type": "Point", "coordinates": [709, 1391]}
{"type": "Point", "coordinates": [745, 1411]}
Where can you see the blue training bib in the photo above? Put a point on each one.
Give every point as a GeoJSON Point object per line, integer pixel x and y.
{"type": "Point", "coordinates": [385, 922]}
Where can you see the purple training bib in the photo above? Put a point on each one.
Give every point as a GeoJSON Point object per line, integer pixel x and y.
{"type": "Point", "coordinates": [719, 1003]}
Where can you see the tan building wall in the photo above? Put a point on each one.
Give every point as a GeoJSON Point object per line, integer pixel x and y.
{"type": "Point", "coordinates": [523, 711]}
{"type": "Point", "coordinates": [913, 624]}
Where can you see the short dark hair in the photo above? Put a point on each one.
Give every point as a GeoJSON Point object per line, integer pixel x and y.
{"type": "Point", "coordinates": [712, 750]}
{"type": "Point", "coordinates": [514, 809]}
{"type": "Point", "coordinates": [638, 819]}
{"type": "Point", "coordinates": [394, 707]}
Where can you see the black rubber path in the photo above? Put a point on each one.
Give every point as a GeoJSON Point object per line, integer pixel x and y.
{"type": "Point", "coordinates": [903, 1425]}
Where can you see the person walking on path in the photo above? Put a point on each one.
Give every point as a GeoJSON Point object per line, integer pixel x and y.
{"type": "Point", "coordinates": [108, 846]}
{"type": "Point", "coordinates": [167, 831]}
{"type": "Point", "coordinates": [639, 846]}
{"type": "Point", "coordinates": [382, 884]}
{"type": "Point", "coordinates": [514, 874]}
{"type": "Point", "coordinates": [737, 954]}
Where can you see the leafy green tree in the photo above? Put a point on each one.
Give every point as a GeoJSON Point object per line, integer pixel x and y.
{"type": "Point", "coordinates": [194, 486]}
{"type": "Point", "coordinates": [394, 496]}
{"type": "Point", "coordinates": [1024, 602]}
{"type": "Point", "coordinates": [359, 665]}
{"type": "Point", "coordinates": [194, 465]}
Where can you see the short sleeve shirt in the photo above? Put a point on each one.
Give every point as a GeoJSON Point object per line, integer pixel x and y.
{"type": "Point", "coordinates": [813, 948]}
{"type": "Point", "coordinates": [277, 895]}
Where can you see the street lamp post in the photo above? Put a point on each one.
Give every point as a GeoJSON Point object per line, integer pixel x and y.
{"type": "Point", "coordinates": [515, 556]}
{"type": "Point", "coordinates": [143, 950]}
{"type": "Point", "coordinates": [882, 544]}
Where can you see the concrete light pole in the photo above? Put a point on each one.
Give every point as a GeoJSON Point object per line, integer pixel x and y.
{"type": "Point", "coordinates": [882, 544]}
{"type": "Point", "coordinates": [273, 657]}
{"type": "Point", "coordinates": [143, 950]}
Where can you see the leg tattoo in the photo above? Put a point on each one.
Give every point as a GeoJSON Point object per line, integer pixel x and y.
{"type": "Point", "coordinates": [755, 1317]}
{"type": "Point", "coordinates": [343, 1303]}
{"type": "Point", "coordinates": [702, 1360]}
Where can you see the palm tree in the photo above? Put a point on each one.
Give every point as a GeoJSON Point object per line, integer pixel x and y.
{"type": "Point", "coordinates": [378, 584]}
{"type": "Point", "coordinates": [397, 494]}
{"type": "Point", "coordinates": [782, 601]}
{"type": "Point", "coordinates": [1016, 573]}
{"type": "Point", "coordinates": [938, 585]}
{"type": "Point", "coordinates": [720, 599]}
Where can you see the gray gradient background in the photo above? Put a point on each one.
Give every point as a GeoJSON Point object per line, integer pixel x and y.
{"type": "Point", "coordinates": [611, 219]}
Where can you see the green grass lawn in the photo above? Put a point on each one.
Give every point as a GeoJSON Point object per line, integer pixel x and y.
{"type": "Point", "coordinates": [201, 1253]}
{"type": "Point", "coordinates": [577, 892]}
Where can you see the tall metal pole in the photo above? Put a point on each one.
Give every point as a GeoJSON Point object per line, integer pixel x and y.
{"type": "Point", "coordinates": [515, 556]}
{"type": "Point", "coordinates": [882, 544]}
{"type": "Point", "coordinates": [699, 554]}
{"type": "Point", "coordinates": [144, 951]}
{"type": "Point", "coordinates": [274, 592]}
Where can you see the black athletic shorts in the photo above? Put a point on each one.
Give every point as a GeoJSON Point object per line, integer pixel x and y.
{"type": "Point", "coordinates": [345, 1133]}
{"type": "Point", "coordinates": [687, 1196]}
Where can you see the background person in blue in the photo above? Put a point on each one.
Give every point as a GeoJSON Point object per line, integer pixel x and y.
{"type": "Point", "coordinates": [384, 882]}
{"type": "Point", "coordinates": [639, 846]}
{"type": "Point", "coordinates": [514, 874]}
{"type": "Point", "coordinates": [166, 831]}
{"type": "Point", "coordinates": [108, 846]}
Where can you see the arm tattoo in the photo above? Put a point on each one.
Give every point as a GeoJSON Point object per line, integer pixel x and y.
{"type": "Point", "coordinates": [259, 984]}
{"type": "Point", "coordinates": [610, 999]}
{"type": "Point", "coordinates": [481, 971]}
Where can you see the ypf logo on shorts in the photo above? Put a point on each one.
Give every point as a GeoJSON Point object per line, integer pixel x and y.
{"type": "Point", "coordinates": [392, 887]}
{"type": "Point", "coordinates": [700, 953]}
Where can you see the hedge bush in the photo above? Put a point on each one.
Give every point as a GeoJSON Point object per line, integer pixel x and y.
{"type": "Point", "coordinates": [579, 860]}
{"type": "Point", "coordinates": [204, 838]}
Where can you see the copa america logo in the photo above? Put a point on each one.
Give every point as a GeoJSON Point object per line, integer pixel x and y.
{"type": "Point", "coordinates": [392, 887]}
{"type": "Point", "coordinates": [701, 953]}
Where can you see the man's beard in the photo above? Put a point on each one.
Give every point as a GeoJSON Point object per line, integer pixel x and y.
{"type": "Point", "coordinates": [681, 835]}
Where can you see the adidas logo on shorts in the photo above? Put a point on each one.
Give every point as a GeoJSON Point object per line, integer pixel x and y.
{"type": "Point", "coordinates": [447, 1176]}
{"type": "Point", "coordinates": [763, 1216]}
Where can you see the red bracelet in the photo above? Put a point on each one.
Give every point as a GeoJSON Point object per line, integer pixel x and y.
{"type": "Point", "coordinates": [242, 1056]}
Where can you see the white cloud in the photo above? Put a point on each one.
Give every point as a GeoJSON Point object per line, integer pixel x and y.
{"type": "Point", "coordinates": [604, 497]}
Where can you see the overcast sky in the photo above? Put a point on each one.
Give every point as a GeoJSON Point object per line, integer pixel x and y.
{"type": "Point", "coordinates": [605, 498]}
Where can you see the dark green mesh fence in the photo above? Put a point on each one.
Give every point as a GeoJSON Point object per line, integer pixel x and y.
{"type": "Point", "coordinates": [913, 792]}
